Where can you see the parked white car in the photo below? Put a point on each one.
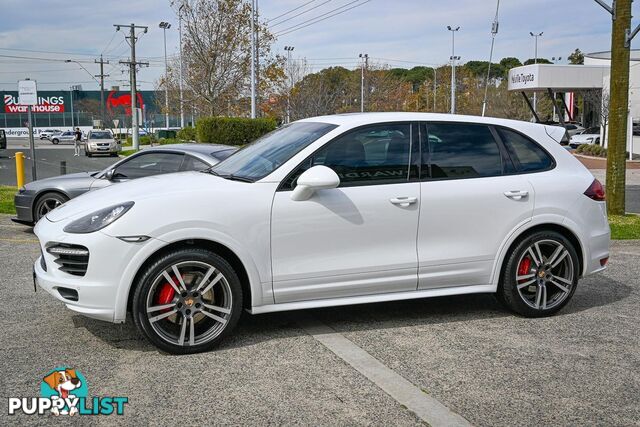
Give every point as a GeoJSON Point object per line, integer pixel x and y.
{"type": "Point", "coordinates": [47, 133]}
{"type": "Point", "coordinates": [101, 142]}
{"type": "Point", "coordinates": [66, 136]}
{"type": "Point", "coordinates": [333, 211]}
{"type": "Point", "coordinates": [589, 136]}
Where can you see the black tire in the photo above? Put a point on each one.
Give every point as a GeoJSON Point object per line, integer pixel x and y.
{"type": "Point", "coordinates": [55, 141]}
{"type": "Point", "coordinates": [150, 276]}
{"type": "Point", "coordinates": [514, 299]}
{"type": "Point", "coordinates": [597, 141]}
{"type": "Point", "coordinates": [47, 202]}
{"type": "Point", "coordinates": [89, 154]}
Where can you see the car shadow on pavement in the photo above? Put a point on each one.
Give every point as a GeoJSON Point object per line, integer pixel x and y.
{"type": "Point", "coordinates": [252, 330]}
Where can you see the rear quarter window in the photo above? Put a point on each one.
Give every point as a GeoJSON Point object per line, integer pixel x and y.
{"type": "Point", "coordinates": [526, 154]}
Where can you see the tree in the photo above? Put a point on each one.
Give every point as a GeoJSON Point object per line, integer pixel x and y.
{"type": "Point", "coordinates": [216, 52]}
{"type": "Point", "coordinates": [509, 63]}
{"type": "Point", "coordinates": [577, 57]}
{"type": "Point", "coordinates": [540, 61]}
{"type": "Point", "coordinates": [479, 69]}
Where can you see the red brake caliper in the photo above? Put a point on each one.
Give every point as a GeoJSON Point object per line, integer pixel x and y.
{"type": "Point", "coordinates": [524, 267]}
{"type": "Point", "coordinates": [165, 294]}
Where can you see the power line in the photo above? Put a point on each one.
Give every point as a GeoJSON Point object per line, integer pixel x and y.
{"type": "Point", "coordinates": [109, 44]}
{"type": "Point", "coordinates": [40, 71]}
{"type": "Point", "coordinates": [301, 13]}
{"type": "Point", "coordinates": [47, 51]}
{"type": "Point", "coordinates": [289, 11]}
{"type": "Point", "coordinates": [316, 20]}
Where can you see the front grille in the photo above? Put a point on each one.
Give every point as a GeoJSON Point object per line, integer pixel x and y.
{"type": "Point", "coordinates": [72, 259]}
{"type": "Point", "coordinates": [103, 144]}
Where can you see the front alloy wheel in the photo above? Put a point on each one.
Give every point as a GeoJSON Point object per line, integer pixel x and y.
{"type": "Point", "coordinates": [188, 301]}
{"type": "Point", "coordinates": [46, 203]}
{"type": "Point", "coordinates": [540, 276]}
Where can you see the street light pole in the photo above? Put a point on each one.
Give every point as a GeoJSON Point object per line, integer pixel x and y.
{"type": "Point", "coordinates": [453, 67]}
{"type": "Point", "coordinates": [180, 67]}
{"type": "Point", "coordinates": [365, 64]}
{"type": "Point", "coordinates": [165, 26]}
{"type": "Point", "coordinates": [535, 61]}
{"type": "Point", "coordinates": [253, 60]}
{"type": "Point", "coordinates": [289, 49]}
{"type": "Point", "coordinates": [494, 32]}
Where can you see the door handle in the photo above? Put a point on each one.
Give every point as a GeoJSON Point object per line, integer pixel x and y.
{"type": "Point", "coordinates": [516, 194]}
{"type": "Point", "coordinates": [403, 201]}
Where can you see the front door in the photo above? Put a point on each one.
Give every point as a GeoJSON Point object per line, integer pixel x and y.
{"type": "Point", "coordinates": [359, 238]}
{"type": "Point", "coordinates": [471, 201]}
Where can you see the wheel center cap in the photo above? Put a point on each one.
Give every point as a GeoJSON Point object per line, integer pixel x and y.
{"type": "Point", "coordinates": [541, 274]}
{"type": "Point", "coordinates": [189, 301]}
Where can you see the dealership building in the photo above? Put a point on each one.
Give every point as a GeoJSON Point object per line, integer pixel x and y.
{"type": "Point", "coordinates": [66, 109]}
{"type": "Point", "coordinates": [564, 83]}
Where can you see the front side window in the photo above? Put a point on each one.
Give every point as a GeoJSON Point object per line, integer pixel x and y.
{"type": "Point", "coordinates": [149, 164]}
{"type": "Point", "coordinates": [377, 154]}
{"type": "Point", "coordinates": [527, 155]}
{"type": "Point", "coordinates": [460, 150]}
{"type": "Point", "coordinates": [192, 164]}
{"type": "Point", "coordinates": [260, 158]}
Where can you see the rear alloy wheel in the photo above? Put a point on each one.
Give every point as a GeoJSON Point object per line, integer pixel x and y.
{"type": "Point", "coordinates": [55, 141]}
{"type": "Point", "coordinates": [540, 276]}
{"type": "Point", "coordinates": [46, 203]}
{"type": "Point", "coordinates": [187, 301]}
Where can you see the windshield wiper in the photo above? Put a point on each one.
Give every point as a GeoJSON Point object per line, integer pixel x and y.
{"type": "Point", "coordinates": [229, 176]}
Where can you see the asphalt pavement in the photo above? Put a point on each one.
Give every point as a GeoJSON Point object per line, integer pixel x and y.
{"type": "Point", "coordinates": [579, 367]}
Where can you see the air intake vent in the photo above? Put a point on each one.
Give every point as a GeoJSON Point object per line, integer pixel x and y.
{"type": "Point", "coordinates": [72, 259]}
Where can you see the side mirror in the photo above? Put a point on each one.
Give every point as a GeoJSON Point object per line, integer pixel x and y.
{"type": "Point", "coordinates": [109, 174]}
{"type": "Point", "coordinates": [316, 178]}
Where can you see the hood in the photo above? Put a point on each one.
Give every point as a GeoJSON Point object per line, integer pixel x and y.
{"type": "Point", "coordinates": [62, 180]}
{"type": "Point", "coordinates": [159, 186]}
{"type": "Point", "coordinates": [98, 141]}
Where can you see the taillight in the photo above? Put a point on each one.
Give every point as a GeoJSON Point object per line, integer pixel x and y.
{"type": "Point", "coordinates": [596, 191]}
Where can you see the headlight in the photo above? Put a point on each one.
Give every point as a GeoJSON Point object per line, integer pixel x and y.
{"type": "Point", "coordinates": [99, 219]}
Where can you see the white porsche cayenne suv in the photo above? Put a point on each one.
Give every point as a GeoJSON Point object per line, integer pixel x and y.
{"type": "Point", "coordinates": [331, 211]}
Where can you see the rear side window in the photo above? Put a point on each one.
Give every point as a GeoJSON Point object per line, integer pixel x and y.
{"type": "Point", "coordinates": [461, 150]}
{"type": "Point", "coordinates": [526, 154]}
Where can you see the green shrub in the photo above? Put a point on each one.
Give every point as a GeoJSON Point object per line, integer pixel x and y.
{"type": "Point", "coordinates": [581, 148]}
{"type": "Point", "coordinates": [187, 134]}
{"type": "Point", "coordinates": [167, 141]}
{"type": "Point", "coordinates": [144, 140]}
{"type": "Point", "coordinates": [232, 130]}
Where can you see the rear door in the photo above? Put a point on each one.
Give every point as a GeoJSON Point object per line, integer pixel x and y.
{"type": "Point", "coordinates": [472, 198]}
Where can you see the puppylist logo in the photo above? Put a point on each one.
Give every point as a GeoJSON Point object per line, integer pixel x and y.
{"type": "Point", "coordinates": [64, 391]}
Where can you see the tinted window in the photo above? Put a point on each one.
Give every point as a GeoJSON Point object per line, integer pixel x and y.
{"type": "Point", "coordinates": [459, 150]}
{"type": "Point", "coordinates": [260, 158]}
{"type": "Point", "coordinates": [149, 164]}
{"type": "Point", "coordinates": [592, 130]}
{"type": "Point", "coordinates": [373, 155]}
{"type": "Point", "coordinates": [528, 156]}
{"type": "Point", "coordinates": [193, 164]}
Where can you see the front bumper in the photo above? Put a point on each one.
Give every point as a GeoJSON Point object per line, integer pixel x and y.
{"type": "Point", "coordinates": [101, 292]}
{"type": "Point", "coordinates": [93, 149]}
{"type": "Point", "coordinates": [24, 208]}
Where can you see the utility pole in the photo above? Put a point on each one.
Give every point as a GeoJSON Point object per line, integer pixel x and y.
{"type": "Point", "coordinates": [365, 64]}
{"type": "Point", "coordinates": [289, 49]}
{"type": "Point", "coordinates": [132, 72]}
{"type": "Point", "coordinates": [453, 58]}
{"type": "Point", "coordinates": [535, 61]}
{"type": "Point", "coordinates": [494, 32]}
{"type": "Point", "coordinates": [71, 96]}
{"type": "Point", "coordinates": [253, 59]}
{"type": "Point", "coordinates": [165, 26]}
{"type": "Point", "coordinates": [102, 75]}
{"type": "Point", "coordinates": [180, 68]}
{"type": "Point", "coordinates": [621, 36]}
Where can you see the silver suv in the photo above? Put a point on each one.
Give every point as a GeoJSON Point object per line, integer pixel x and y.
{"type": "Point", "coordinates": [101, 142]}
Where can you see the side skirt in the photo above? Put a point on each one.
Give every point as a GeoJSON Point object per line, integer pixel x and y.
{"type": "Point", "coordinates": [395, 296]}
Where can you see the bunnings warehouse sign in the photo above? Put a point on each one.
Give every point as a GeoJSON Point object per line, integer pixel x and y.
{"type": "Point", "coordinates": [53, 102]}
{"type": "Point", "coordinates": [46, 104]}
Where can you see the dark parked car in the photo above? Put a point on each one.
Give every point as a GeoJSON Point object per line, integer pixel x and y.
{"type": "Point", "coordinates": [36, 199]}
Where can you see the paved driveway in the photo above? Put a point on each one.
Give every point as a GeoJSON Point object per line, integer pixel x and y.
{"type": "Point", "coordinates": [490, 367]}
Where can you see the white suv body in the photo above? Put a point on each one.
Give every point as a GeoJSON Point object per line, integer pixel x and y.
{"type": "Point", "coordinates": [374, 207]}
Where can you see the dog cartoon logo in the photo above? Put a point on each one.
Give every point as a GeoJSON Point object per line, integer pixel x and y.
{"type": "Point", "coordinates": [124, 100]}
{"type": "Point", "coordinates": [65, 384]}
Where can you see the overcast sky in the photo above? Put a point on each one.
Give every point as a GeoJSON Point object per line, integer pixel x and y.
{"type": "Point", "coordinates": [389, 31]}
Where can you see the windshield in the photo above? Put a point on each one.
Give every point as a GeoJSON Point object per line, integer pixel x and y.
{"type": "Point", "coordinates": [100, 135]}
{"type": "Point", "coordinates": [260, 158]}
